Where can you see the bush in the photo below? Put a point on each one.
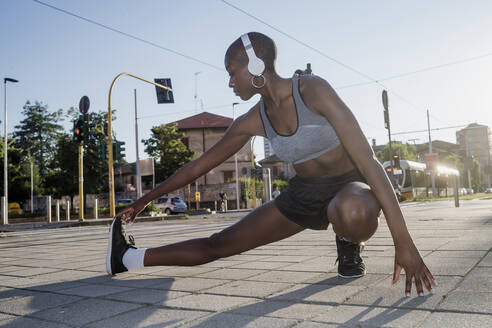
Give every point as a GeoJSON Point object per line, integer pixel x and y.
{"type": "Point", "coordinates": [280, 184]}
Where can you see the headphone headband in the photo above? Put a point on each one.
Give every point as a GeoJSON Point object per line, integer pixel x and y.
{"type": "Point", "coordinates": [256, 66]}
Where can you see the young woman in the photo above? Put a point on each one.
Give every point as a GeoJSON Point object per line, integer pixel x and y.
{"type": "Point", "coordinates": [338, 181]}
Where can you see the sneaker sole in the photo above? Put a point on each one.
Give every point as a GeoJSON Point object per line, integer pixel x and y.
{"type": "Point", "coordinates": [349, 277]}
{"type": "Point", "coordinates": [110, 247]}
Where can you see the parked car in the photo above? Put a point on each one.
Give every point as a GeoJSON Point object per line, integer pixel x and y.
{"type": "Point", "coordinates": [488, 191]}
{"type": "Point", "coordinates": [469, 191]}
{"type": "Point", "coordinates": [462, 191]}
{"type": "Point", "coordinates": [171, 204]}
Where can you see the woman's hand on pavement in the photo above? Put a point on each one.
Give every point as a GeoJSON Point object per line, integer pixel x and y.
{"type": "Point", "coordinates": [407, 257]}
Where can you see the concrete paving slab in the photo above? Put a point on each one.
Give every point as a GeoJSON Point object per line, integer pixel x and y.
{"type": "Point", "coordinates": [384, 294]}
{"type": "Point", "coordinates": [478, 280]}
{"type": "Point", "coordinates": [317, 293]}
{"type": "Point", "coordinates": [23, 322]}
{"type": "Point", "coordinates": [462, 320]}
{"type": "Point", "coordinates": [249, 288]}
{"type": "Point", "coordinates": [332, 278]}
{"type": "Point", "coordinates": [468, 301]}
{"type": "Point", "coordinates": [149, 317]}
{"type": "Point", "coordinates": [284, 276]}
{"type": "Point", "coordinates": [190, 284]}
{"type": "Point", "coordinates": [279, 309]}
{"type": "Point", "coordinates": [208, 302]}
{"type": "Point", "coordinates": [487, 260]}
{"type": "Point", "coordinates": [261, 265]}
{"type": "Point", "coordinates": [146, 296]}
{"type": "Point", "coordinates": [231, 274]}
{"type": "Point", "coordinates": [463, 239]}
{"type": "Point", "coordinates": [93, 290]}
{"type": "Point", "coordinates": [85, 311]}
{"type": "Point", "coordinates": [180, 271]}
{"type": "Point", "coordinates": [239, 321]}
{"type": "Point", "coordinates": [361, 316]}
{"type": "Point", "coordinates": [35, 301]}
{"type": "Point", "coordinates": [310, 324]}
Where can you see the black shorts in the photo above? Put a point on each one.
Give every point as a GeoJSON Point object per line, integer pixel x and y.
{"type": "Point", "coordinates": [306, 200]}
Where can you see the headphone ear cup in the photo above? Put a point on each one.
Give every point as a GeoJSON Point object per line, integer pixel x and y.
{"type": "Point", "coordinates": [256, 66]}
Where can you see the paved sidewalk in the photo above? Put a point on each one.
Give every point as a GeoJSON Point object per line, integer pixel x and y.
{"type": "Point", "coordinates": [56, 278]}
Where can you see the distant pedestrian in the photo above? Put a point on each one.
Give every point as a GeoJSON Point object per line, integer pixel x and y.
{"type": "Point", "coordinates": [339, 181]}
{"type": "Point", "coordinates": [275, 192]}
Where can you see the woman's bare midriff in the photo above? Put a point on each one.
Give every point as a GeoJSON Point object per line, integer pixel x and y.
{"type": "Point", "coordinates": [333, 163]}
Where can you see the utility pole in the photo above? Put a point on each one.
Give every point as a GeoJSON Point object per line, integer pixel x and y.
{"type": "Point", "coordinates": [235, 161]}
{"type": "Point", "coordinates": [388, 126]}
{"type": "Point", "coordinates": [433, 173]}
{"type": "Point", "coordinates": [137, 161]}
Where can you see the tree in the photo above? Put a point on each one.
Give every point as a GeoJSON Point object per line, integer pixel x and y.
{"type": "Point", "coordinates": [63, 177]}
{"type": "Point", "coordinates": [406, 152]}
{"type": "Point", "coordinates": [166, 146]}
{"type": "Point", "coordinates": [37, 134]}
{"type": "Point", "coordinates": [19, 174]}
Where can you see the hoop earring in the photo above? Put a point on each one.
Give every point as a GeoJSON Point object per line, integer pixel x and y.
{"type": "Point", "coordinates": [253, 81]}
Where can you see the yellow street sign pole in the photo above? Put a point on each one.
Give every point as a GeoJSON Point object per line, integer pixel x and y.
{"type": "Point", "coordinates": [110, 138]}
{"type": "Point", "coordinates": [81, 182]}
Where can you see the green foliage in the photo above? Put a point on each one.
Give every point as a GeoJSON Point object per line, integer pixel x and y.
{"type": "Point", "coordinates": [247, 189]}
{"type": "Point", "coordinates": [166, 146]}
{"type": "Point", "coordinates": [406, 152]}
{"type": "Point", "coordinates": [280, 184]}
{"type": "Point", "coordinates": [37, 134]}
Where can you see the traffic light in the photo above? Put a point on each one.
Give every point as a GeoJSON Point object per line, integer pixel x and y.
{"type": "Point", "coordinates": [118, 150]}
{"type": "Point", "coordinates": [396, 160]}
{"type": "Point", "coordinates": [78, 131]}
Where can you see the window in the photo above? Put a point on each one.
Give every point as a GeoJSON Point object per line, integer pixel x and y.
{"type": "Point", "coordinates": [227, 175]}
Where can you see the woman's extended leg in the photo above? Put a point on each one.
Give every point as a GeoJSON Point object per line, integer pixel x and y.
{"type": "Point", "coordinates": [354, 212]}
{"type": "Point", "coordinates": [262, 226]}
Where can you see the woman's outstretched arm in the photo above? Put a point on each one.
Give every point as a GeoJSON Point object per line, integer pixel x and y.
{"type": "Point", "coordinates": [236, 136]}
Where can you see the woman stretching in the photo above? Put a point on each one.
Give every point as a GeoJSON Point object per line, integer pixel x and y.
{"type": "Point", "coordinates": [338, 180]}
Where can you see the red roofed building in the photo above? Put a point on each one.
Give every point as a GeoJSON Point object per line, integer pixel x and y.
{"type": "Point", "coordinates": [202, 132]}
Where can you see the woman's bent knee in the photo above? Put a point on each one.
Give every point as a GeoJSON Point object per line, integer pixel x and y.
{"type": "Point", "coordinates": [357, 217]}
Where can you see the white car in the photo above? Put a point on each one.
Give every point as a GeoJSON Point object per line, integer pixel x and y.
{"type": "Point", "coordinates": [171, 204]}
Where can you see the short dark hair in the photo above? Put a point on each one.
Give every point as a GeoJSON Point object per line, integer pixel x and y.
{"type": "Point", "coordinates": [264, 47]}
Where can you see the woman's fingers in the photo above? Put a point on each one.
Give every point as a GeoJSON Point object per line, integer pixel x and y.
{"type": "Point", "coordinates": [418, 286]}
{"type": "Point", "coordinates": [396, 273]}
{"type": "Point", "coordinates": [429, 275]}
{"type": "Point", "coordinates": [408, 284]}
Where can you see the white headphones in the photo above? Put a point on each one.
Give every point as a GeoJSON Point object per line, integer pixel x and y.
{"type": "Point", "coordinates": [256, 66]}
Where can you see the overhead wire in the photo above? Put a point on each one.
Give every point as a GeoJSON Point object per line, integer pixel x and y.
{"type": "Point", "coordinates": [153, 44]}
{"type": "Point", "coordinates": [373, 80]}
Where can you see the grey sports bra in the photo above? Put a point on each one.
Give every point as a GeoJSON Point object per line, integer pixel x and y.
{"type": "Point", "coordinates": [314, 135]}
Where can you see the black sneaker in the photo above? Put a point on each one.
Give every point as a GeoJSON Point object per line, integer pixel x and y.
{"type": "Point", "coordinates": [350, 264]}
{"type": "Point", "coordinates": [117, 246]}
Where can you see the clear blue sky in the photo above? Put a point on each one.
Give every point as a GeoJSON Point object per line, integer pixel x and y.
{"type": "Point", "coordinates": [59, 58]}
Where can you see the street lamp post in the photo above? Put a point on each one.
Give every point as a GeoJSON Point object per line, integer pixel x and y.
{"type": "Point", "coordinates": [235, 161]}
{"type": "Point", "coordinates": [5, 162]}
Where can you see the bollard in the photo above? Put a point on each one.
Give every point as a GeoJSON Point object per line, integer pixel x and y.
{"type": "Point", "coordinates": [68, 210]}
{"type": "Point", "coordinates": [456, 192]}
{"type": "Point", "coordinates": [57, 210]}
{"type": "Point", "coordinates": [48, 208]}
{"type": "Point", "coordinates": [5, 211]}
{"type": "Point", "coordinates": [95, 209]}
